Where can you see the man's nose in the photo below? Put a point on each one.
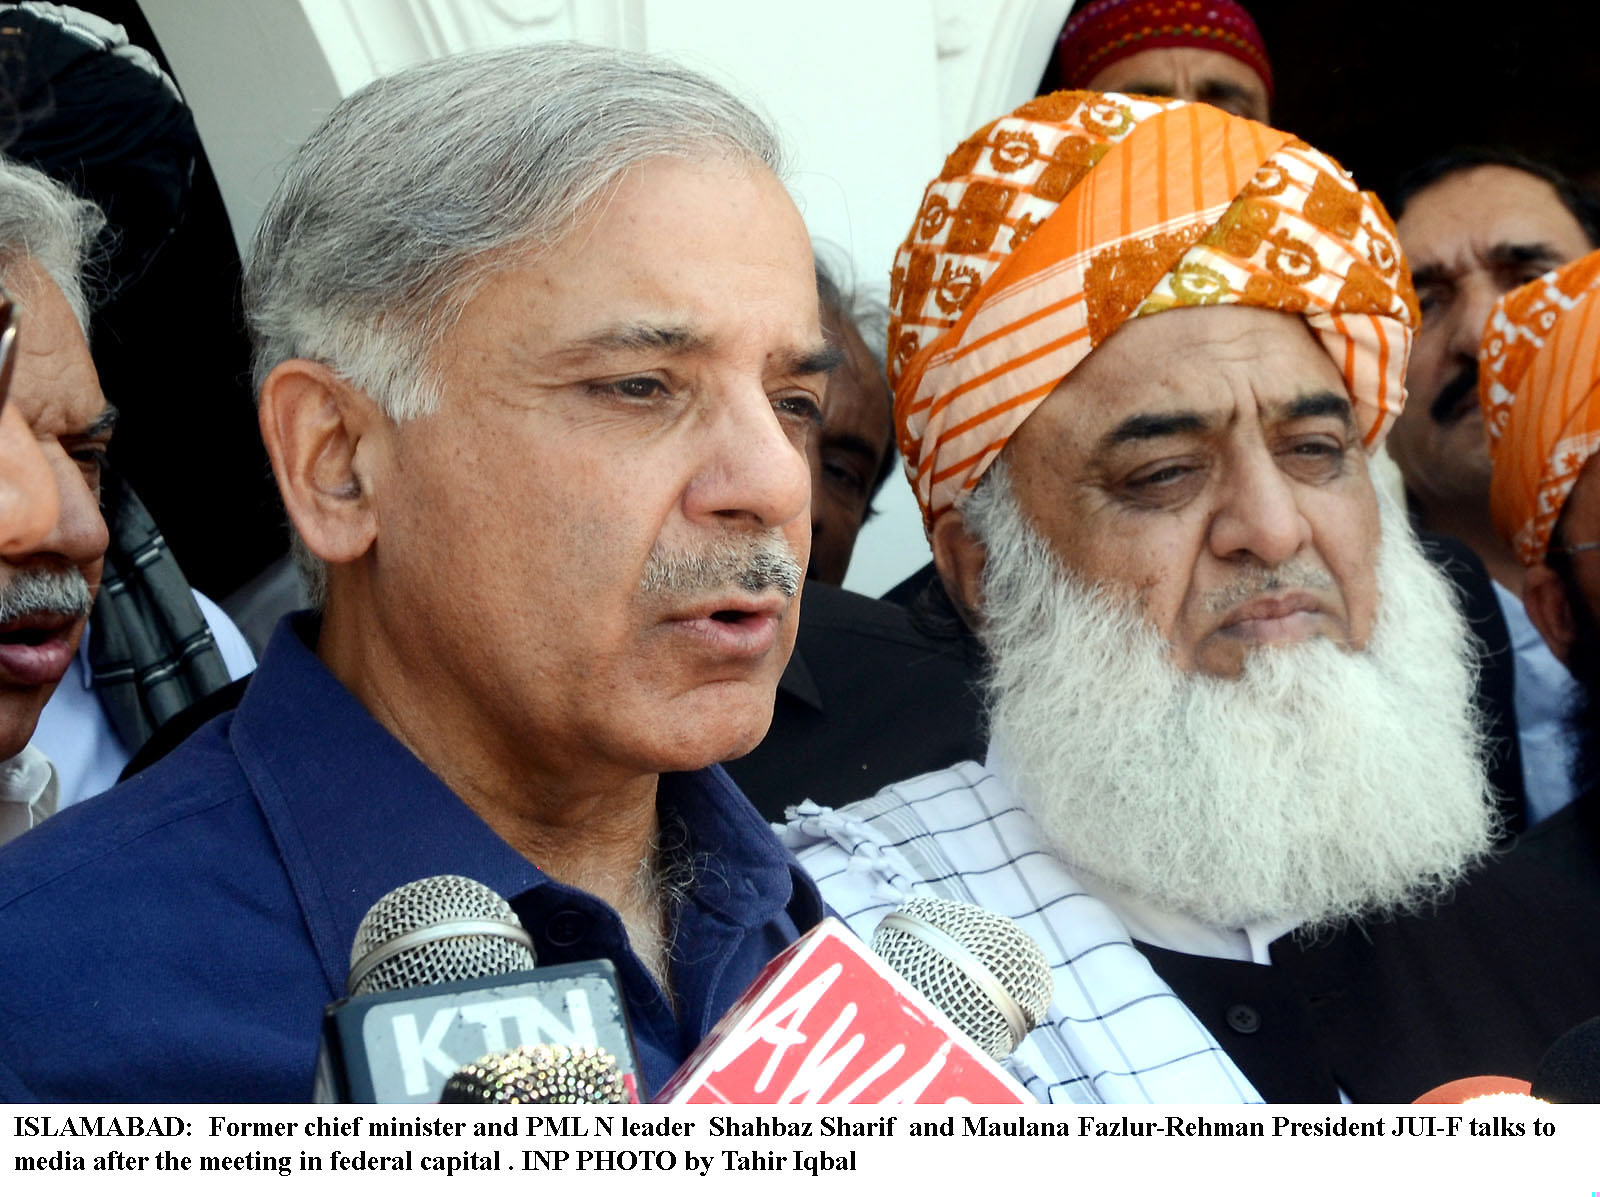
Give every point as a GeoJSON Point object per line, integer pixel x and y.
{"type": "Point", "coordinates": [1258, 516]}
{"type": "Point", "coordinates": [1477, 295]}
{"type": "Point", "coordinates": [756, 470]}
{"type": "Point", "coordinates": [79, 533]}
{"type": "Point", "coordinates": [29, 505]}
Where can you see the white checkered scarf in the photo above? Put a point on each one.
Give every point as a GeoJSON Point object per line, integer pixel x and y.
{"type": "Point", "coordinates": [1115, 1031]}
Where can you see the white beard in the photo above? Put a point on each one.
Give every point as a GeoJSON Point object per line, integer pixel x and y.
{"type": "Point", "coordinates": [1320, 785]}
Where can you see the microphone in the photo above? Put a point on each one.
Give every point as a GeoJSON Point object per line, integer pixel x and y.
{"type": "Point", "coordinates": [829, 1022]}
{"type": "Point", "coordinates": [1473, 1088]}
{"type": "Point", "coordinates": [980, 969]}
{"type": "Point", "coordinates": [1569, 1074]}
{"type": "Point", "coordinates": [442, 973]}
{"type": "Point", "coordinates": [542, 1075]}
{"type": "Point", "coordinates": [445, 928]}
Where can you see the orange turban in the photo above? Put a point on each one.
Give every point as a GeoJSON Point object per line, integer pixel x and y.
{"type": "Point", "coordinates": [1050, 227]}
{"type": "Point", "coordinates": [1539, 383]}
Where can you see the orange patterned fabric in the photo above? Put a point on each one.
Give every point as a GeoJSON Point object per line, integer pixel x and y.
{"type": "Point", "coordinates": [1050, 227]}
{"type": "Point", "coordinates": [1539, 384]}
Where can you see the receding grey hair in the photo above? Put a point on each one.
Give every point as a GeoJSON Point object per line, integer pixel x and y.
{"type": "Point", "coordinates": [46, 221]}
{"type": "Point", "coordinates": [420, 185]}
{"type": "Point", "coordinates": [415, 188]}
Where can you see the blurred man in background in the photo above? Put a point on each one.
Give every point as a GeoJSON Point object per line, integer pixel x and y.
{"type": "Point", "coordinates": [1474, 225]}
{"type": "Point", "coordinates": [1205, 50]}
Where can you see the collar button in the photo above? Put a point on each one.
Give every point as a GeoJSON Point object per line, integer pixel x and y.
{"type": "Point", "coordinates": [566, 928]}
{"type": "Point", "coordinates": [1243, 1019]}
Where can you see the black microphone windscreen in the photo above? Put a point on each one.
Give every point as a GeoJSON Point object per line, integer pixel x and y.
{"type": "Point", "coordinates": [1569, 1074]}
{"type": "Point", "coordinates": [543, 1074]}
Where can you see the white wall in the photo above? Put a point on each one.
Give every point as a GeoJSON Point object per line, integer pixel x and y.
{"type": "Point", "coordinates": [869, 95]}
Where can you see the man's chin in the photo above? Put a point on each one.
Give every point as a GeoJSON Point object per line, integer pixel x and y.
{"type": "Point", "coordinates": [19, 716]}
{"type": "Point", "coordinates": [722, 732]}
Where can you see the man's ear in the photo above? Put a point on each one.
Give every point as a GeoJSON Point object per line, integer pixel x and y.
{"type": "Point", "coordinates": [1544, 597]}
{"type": "Point", "coordinates": [321, 434]}
{"type": "Point", "coordinates": [959, 558]}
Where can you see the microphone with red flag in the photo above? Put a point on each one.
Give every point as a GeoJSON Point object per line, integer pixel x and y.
{"type": "Point", "coordinates": [828, 1022]}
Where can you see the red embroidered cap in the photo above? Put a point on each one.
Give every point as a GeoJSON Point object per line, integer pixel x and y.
{"type": "Point", "coordinates": [1106, 31]}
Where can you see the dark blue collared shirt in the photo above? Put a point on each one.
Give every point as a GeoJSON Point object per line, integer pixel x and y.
{"type": "Point", "coordinates": [177, 938]}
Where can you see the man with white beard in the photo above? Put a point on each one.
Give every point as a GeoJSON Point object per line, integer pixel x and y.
{"type": "Point", "coordinates": [1292, 824]}
{"type": "Point", "coordinates": [1142, 351]}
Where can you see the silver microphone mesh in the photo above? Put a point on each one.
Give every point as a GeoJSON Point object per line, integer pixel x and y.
{"type": "Point", "coordinates": [979, 968]}
{"type": "Point", "coordinates": [436, 929]}
{"type": "Point", "coordinates": [545, 1074]}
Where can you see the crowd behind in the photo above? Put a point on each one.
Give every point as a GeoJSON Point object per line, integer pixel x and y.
{"type": "Point", "coordinates": [1255, 674]}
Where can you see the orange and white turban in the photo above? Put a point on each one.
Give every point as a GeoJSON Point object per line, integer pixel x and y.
{"type": "Point", "coordinates": [1539, 384]}
{"type": "Point", "coordinates": [1050, 227]}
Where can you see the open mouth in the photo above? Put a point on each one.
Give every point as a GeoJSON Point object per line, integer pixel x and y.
{"type": "Point", "coordinates": [37, 627]}
{"type": "Point", "coordinates": [36, 649]}
{"type": "Point", "coordinates": [26, 636]}
{"type": "Point", "coordinates": [746, 627]}
{"type": "Point", "coordinates": [30, 637]}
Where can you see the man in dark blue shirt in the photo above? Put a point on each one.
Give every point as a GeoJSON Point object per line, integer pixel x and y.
{"type": "Point", "coordinates": [538, 352]}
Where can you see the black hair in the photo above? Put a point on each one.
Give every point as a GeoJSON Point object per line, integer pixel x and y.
{"type": "Point", "coordinates": [844, 301]}
{"type": "Point", "coordinates": [1575, 198]}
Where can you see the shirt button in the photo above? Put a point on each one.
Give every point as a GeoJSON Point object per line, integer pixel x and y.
{"type": "Point", "coordinates": [1244, 1019]}
{"type": "Point", "coordinates": [566, 927]}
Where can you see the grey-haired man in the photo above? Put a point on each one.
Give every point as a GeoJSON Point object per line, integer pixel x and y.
{"type": "Point", "coordinates": [538, 352]}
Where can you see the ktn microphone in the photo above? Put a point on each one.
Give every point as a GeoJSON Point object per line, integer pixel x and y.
{"type": "Point", "coordinates": [829, 1022]}
{"type": "Point", "coordinates": [442, 973]}
{"type": "Point", "coordinates": [545, 1074]}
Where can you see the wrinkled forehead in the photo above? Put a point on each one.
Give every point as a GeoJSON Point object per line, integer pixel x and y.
{"type": "Point", "coordinates": [1462, 219]}
{"type": "Point", "coordinates": [54, 383]}
{"type": "Point", "coordinates": [1192, 368]}
{"type": "Point", "coordinates": [1164, 70]}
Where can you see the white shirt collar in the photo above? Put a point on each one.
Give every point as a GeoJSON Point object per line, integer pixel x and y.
{"type": "Point", "coordinates": [28, 792]}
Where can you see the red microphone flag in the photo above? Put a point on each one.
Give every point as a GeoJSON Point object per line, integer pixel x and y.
{"type": "Point", "coordinates": [828, 1023]}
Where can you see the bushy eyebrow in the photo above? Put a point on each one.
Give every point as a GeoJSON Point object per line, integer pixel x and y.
{"type": "Point", "coordinates": [1217, 89]}
{"type": "Point", "coordinates": [1505, 253]}
{"type": "Point", "coordinates": [1150, 426]}
{"type": "Point", "coordinates": [672, 338]}
{"type": "Point", "coordinates": [1511, 253]}
{"type": "Point", "coordinates": [679, 340]}
{"type": "Point", "coordinates": [101, 426]}
{"type": "Point", "coordinates": [1323, 403]}
{"type": "Point", "coordinates": [824, 359]}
